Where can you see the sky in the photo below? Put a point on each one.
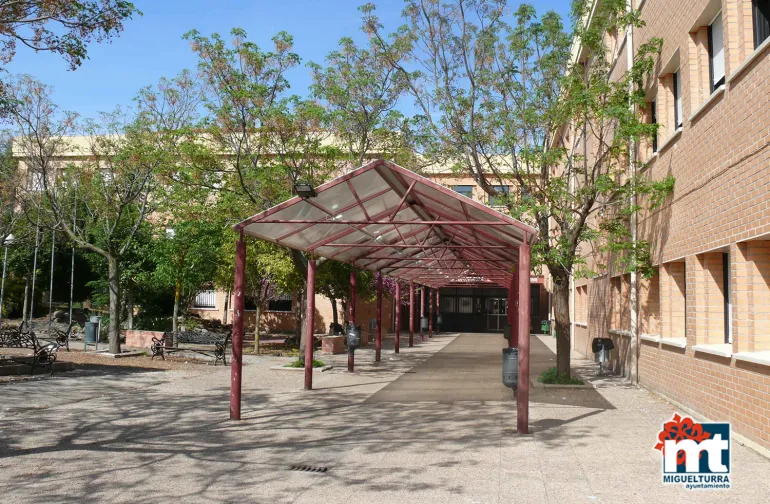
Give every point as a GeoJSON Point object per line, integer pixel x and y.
{"type": "Point", "coordinates": [152, 47]}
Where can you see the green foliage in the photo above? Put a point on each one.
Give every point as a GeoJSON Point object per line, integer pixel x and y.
{"type": "Point", "coordinates": [300, 363]}
{"type": "Point", "coordinates": [61, 27]}
{"type": "Point", "coordinates": [552, 377]}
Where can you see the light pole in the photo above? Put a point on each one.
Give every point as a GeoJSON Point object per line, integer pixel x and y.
{"type": "Point", "coordinates": [8, 240]}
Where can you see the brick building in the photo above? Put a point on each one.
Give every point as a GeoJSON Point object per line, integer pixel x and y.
{"type": "Point", "coordinates": [698, 331]}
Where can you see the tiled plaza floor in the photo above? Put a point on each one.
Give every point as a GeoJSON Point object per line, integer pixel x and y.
{"type": "Point", "coordinates": [432, 424]}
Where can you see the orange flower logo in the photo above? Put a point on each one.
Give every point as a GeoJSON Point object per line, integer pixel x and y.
{"type": "Point", "coordinates": [677, 429]}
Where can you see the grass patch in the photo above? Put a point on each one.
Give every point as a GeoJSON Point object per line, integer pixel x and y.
{"type": "Point", "coordinates": [301, 363]}
{"type": "Point", "coordinates": [551, 377]}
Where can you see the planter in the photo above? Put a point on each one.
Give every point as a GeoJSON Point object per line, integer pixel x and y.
{"type": "Point", "coordinates": [333, 344]}
{"type": "Point", "coordinates": [141, 339]}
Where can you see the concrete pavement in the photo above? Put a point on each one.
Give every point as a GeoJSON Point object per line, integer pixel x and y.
{"type": "Point", "coordinates": [432, 424]}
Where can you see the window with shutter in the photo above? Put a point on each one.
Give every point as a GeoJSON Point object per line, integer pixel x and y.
{"type": "Point", "coordinates": [654, 120]}
{"type": "Point", "coordinates": [761, 13]}
{"type": "Point", "coordinates": [678, 99]}
{"type": "Point", "coordinates": [716, 52]}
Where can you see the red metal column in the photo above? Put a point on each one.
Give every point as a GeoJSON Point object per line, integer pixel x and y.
{"type": "Point", "coordinates": [352, 317]}
{"type": "Point", "coordinates": [352, 306]}
{"type": "Point", "coordinates": [398, 316]}
{"type": "Point", "coordinates": [411, 313]}
{"type": "Point", "coordinates": [378, 337]}
{"type": "Point", "coordinates": [310, 324]}
{"type": "Point", "coordinates": [236, 363]}
{"type": "Point", "coordinates": [522, 403]}
{"type": "Point", "coordinates": [438, 309]}
{"type": "Point", "coordinates": [515, 309]}
{"type": "Point", "coordinates": [422, 310]}
{"type": "Point", "coordinates": [430, 317]}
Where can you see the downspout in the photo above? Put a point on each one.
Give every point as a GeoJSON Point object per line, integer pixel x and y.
{"type": "Point", "coordinates": [634, 291]}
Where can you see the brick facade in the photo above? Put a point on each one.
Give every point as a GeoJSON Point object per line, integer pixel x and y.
{"type": "Point", "coordinates": [703, 337]}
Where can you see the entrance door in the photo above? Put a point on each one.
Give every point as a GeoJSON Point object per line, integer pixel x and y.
{"type": "Point", "coordinates": [497, 314]}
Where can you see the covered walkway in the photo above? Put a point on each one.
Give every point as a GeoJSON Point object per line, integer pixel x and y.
{"type": "Point", "coordinates": [392, 221]}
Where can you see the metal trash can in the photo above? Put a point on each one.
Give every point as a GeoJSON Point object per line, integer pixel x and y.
{"type": "Point", "coordinates": [511, 367]}
{"type": "Point", "coordinates": [354, 337]}
{"type": "Point", "coordinates": [424, 323]}
{"type": "Point", "coordinates": [92, 332]}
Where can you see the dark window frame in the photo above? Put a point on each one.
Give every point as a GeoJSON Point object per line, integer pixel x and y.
{"type": "Point", "coordinates": [760, 13]}
{"type": "Point", "coordinates": [714, 85]}
{"type": "Point", "coordinates": [677, 84]}
{"type": "Point", "coordinates": [654, 120]}
{"type": "Point", "coordinates": [469, 187]}
{"type": "Point", "coordinates": [493, 200]}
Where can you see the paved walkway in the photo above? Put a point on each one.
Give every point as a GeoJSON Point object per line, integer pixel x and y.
{"type": "Point", "coordinates": [430, 425]}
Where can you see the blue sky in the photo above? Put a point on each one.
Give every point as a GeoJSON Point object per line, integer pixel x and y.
{"type": "Point", "coordinates": [151, 46]}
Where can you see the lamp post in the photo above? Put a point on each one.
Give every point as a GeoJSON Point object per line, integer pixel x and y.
{"type": "Point", "coordinates": [8, 240]}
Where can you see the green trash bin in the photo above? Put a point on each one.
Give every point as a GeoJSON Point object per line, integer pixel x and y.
{"type": "Point", "coordinates": [92, 329]}
{"type": "Point", "coordinates": [545, 326]}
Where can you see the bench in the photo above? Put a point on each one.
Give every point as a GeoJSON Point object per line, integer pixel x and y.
{"type": "Point", "coordinates": [167, 344]}
{"type": "Point", "coordinates": [52, 331]}
{"type": "Point", "coordinates": [43, 354]}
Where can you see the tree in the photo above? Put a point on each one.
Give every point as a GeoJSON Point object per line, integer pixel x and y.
{"type": "Point", "coordinates": [497, 101]}
{"type": "Point", "coordinates": [269, 271]}
{"type": "Point", "coordinates": [186, 258]}
{"type": "Point", "coordinates": [59, 26]}
{"type": "Point", "coordinates": [115, 190]}
{"type": "Point", "coordinates": [361, 90]}
{"type": "Point", "coordinates": [271, 140]}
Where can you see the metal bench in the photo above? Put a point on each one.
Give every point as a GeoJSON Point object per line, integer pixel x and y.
{"type": "Point", "coordinates": [50, 331]}
{"type": "Point", "coordinates": [169, 342]}
{"type": "Point", "coordinates": [43, 354]}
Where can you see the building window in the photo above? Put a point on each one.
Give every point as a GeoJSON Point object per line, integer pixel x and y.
{"type": "Point", "coordinates": [280, 303]}
{"type": "Point", "coordinates": [206, 300]}
{"type": "Point", "coordinates": [761, 12]}
{"type": "Point", "coordinates": [728, 303]}
{"type": "Point", "coordinates": [499, 200]}
{"type": "Point", "coordinates": [716, 52]}
{"type": "Point", "coordinates": [677, 99]}
{"type": "Point", "coordinates": [465, 190]}
{"type": "Point", "coordinates": [654, 120]}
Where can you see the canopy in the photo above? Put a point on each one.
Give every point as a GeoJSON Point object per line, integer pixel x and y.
{"type": "Point", "coordinates": [383, 217]}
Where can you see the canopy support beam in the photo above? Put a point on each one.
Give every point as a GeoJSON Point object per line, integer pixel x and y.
{"type": "Point", "coordinates": [236, 363]}
{"type": "Point", "coordinates": [522, 398]}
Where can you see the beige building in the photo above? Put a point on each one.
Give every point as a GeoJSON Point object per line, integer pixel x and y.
{"type": "Point", "coordinates": [698, 331]}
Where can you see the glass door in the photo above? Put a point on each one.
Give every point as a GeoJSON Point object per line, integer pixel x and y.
{"type": "Point", "coordinates": [497, 312]}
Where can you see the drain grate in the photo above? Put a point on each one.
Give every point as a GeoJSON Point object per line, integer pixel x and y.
{"type": "Point", "coordinates": [408, 372]}
{"type": "Point", "coordinates": [307, 468]}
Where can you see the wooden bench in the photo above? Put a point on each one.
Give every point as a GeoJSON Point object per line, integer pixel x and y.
{"type": "Point", "coordinates": [168, 343]}
{"type": "Point", "coordinates": [43, 354]}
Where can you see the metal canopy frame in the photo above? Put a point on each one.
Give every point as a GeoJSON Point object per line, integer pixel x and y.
{"type": "Point", "coordinates": [387, 219]}
{"type": "Point", "coordinates": [383, 217]}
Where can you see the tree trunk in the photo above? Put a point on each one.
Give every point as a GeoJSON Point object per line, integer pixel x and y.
{"type": "Point", "coordinates": [113, 267]}
{"type": "Point", "coordinates": [561, 313]}
{"type": "Point", "coordinates": [344, 306]}
{"type": "Point", "coordinates": [26, 299]}
{"type": "Point", "coordinates": [335, 316]}
{"type": "Point", "coordinates": [175, 316]}
{"type": "Point", "coordinates": [302, 301]}
{"type": "Point", "coordinates": [256, 327]}
{"type": "Point", "coordinates": [130, 308]}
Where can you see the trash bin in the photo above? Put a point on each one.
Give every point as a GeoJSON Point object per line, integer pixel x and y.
{"type": "Point", "coordinates": [354, 337]}
{"type": "Point", "coordinates": [424, 323]}
{"type": "Point", "coordinates": [545, 327]}
{"type": "Point", "coordinates": [92, 332]}
{"type": "Point", "coordinates": [511, 367]}
{"type": "Point", "coordinates": [507, 332]}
